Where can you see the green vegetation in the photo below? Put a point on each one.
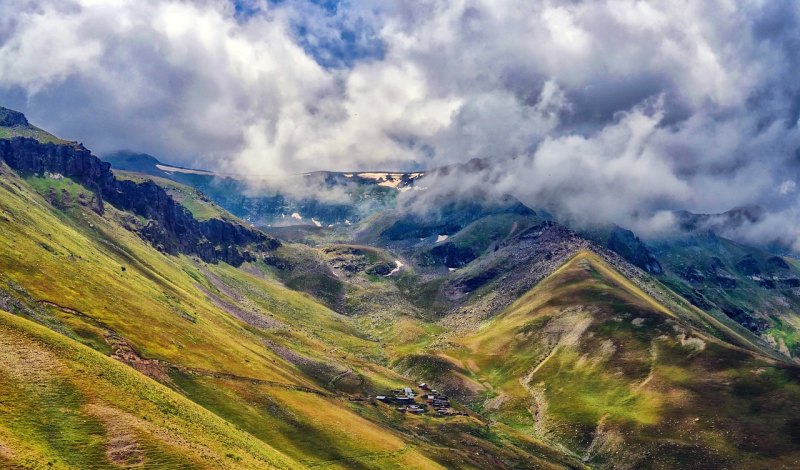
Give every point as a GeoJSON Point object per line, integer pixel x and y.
{"type": "Point", "coordinates": [31, 133]}
{"type": "Point", "coordinates": [274, 363]}
{"type": "Point", "coordinates": [588, 361]}
{"type": "Point", "coordinates": [753, 287]}
{"type": "Point", "coordinates": [67, 406]}
{"type": "Point", "coordinates": [115, 354]}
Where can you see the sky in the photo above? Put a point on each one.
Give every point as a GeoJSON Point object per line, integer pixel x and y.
{"type": "Point", "coordinates": [601, 111]}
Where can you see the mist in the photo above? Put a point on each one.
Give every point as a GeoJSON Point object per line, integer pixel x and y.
{"type": "Point", "coordinates": [612, 111]}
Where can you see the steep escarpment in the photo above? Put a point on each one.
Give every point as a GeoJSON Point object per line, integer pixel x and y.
{"type": "Point", "coordinates": [170, 227]}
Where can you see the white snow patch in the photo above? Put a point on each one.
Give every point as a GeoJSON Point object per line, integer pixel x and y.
{"type": "Point", "coordinates": [451, 269]}
{"type": "Point", "coordinates": [347, 222]}
{"type": "Point", "coordinates": [390, 184]}
{"type": "Point", "coordinates": [172, 169]}
{"type": "Point", "coordinates": [441, 238]}
{"type": "Point", "coordinates": [316, 222]}
{"type": "Point", "coordinates": [297, 216]}
{"type": "Point", "coordinates": [374, 176]}
{"type": "Point", "coordinates": [398, 264]}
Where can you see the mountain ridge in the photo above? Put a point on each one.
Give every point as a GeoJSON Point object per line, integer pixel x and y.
{"type": "Point", "coordinates": [551, 349]}
{"type": "Point", "coordinates": [170, 226]}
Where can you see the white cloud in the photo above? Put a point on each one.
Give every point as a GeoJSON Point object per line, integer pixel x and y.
{"type": "Point", "coordinates": [606, 110]}
{"type": "Point", "coordinates": [787, 187]}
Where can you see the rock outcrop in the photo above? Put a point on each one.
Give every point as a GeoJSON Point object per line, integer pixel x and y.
{"type": "Point", "coordinates": [11, 118]}
{"type": "Point", "coordinates": [626, 244]}
{"type": "Point", "coordinates": [171, 227]}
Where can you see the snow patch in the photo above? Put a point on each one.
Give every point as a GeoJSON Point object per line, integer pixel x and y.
{"type": "Point", "coordinates": [173, 169]}
{"type": "Point", "coordinates": [398, 264]}
{"type": "Point", "coordinates": [316, 222]}
{"type": "Point", "coordinates": [297, 216]}
{"type": "Point", "coordinates": [441, 238]}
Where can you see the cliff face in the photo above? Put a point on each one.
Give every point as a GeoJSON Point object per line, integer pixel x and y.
{"type": "Point", "coordinates": [72, 160]}
{"type": "Point", "coordinates": [171, 227]}
{"type": "Point", "coordinates": [11, 118]}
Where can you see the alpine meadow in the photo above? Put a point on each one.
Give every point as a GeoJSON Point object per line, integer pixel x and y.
{"type": "Point", "coordinates": [346, 234]}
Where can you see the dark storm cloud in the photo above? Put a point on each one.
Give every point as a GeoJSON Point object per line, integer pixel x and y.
{"type": "Point", "coordinates": [611, 110]}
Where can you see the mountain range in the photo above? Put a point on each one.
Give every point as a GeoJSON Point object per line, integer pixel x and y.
{"type": "Point", "coordinates": [157, 316]}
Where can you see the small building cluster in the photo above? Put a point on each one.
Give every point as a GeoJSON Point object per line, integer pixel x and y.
{"type": "Point", "coordinates": [408, 401]}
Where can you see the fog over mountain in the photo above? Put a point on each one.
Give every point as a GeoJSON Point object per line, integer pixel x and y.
{"type": "Point", "coordinates": [600, 111]}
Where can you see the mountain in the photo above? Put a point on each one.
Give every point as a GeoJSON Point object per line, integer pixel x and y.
{"type": "Point", "coordinates": [723, 223]}
{"type": "Point", "coordinates": [266, 202]}
{"type": "Point", "coordinates": [591, 361]}
{"type": "Point", "coordinates": [758, 289]}
{"type": "Point", "coordinates": [143, 324]}
{"type": "Point", "coordinates": [15, 124]}
{"type": "Point", "coordinates": [626, 244]}
{"type": "Point", "coordinates": [281, 372]}
{"type": "Point", "coordinates": [169, 226]}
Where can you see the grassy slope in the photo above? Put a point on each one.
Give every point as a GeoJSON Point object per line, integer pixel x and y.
{"type": "Point", "coordinates": [75, 259]}
{"type": "Point", "coordinates": [282, 375]}
{"type": "Point", "coordinates": [32, 132]}
{"type": "Point", "coordinates": [588, 361]}
{"type": "Point", "coordinates": [775, 305]}
{"type": "Point", "coordinates": [481, 234]}
{"type": "Point", "coordinates": [67, 406]}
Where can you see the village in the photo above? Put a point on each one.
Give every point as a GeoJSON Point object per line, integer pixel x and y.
{"type": "Point", "coordinates": [408, 401]}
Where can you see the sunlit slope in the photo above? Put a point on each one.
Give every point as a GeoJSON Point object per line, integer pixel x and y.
{"type": "Point", "coordinates": [63, 405]}
{"type": "Point", "coordinates": [588, 361]}
{"type": "Point", "coordinates": [273, 362]}
{"type": "Point", "coordinates": [85, 275]}
{"type": "Point", "coordinates": [190, 325]}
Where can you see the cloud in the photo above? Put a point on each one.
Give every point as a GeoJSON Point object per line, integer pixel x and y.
{"type": "Point", "coordinates": [787, 187]}
{"type": "Point", "coordinates": [601, 111]}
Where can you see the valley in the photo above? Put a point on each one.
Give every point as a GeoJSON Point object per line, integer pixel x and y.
{"type": "Point", "coordinates": [151, 319]}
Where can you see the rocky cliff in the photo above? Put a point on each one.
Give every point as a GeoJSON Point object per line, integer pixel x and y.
{"type": "Point", "coordinates": [170, 228]}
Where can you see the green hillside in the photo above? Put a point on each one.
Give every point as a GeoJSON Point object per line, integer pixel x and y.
{"type": "Point", "coordinates": [587, 361]}
{"type": "Point", "coordinates": [66, 406]}
{"type": "Point", "coordinates": [555, 352]}
{"type": "Point", "coordinates": [272, 362]}
{"type": "Point", "coordinates": [758, 289]}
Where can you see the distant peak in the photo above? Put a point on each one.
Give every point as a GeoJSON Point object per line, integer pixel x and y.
{"type": "Point", "coordinates": [131, 156]}
{"type": "Point", "coordinates": [11, 118]}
